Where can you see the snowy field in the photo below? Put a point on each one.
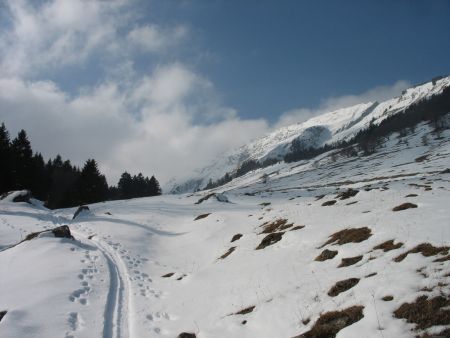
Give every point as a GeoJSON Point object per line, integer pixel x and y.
{"type": "Point", "coordinates": [148, 267]}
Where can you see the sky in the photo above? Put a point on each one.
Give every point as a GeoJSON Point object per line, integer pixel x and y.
{"type": "Point", "coordinates": [164, 87]}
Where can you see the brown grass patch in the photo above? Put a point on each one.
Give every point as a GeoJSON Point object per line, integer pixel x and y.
{"type": "Point", "coordinates": [270, 239]}
{"type": "Point", "coordinates": [352, 235]}
{"type": "Point", "coordinates": [277, 225]}
{"type": "Point", "coordinates": [442, 259]}
{"type": "Point", "coordinates": [325, 255]}
{"type": "Point", "coordinates": [349, 261]}
{"type": "Point", "coordinates": [297, 227]}
{"type": "Point", "coordinates": [404, 206]}
{"type": "Point", "coordinates": [426, 249]}
{"type": "Point", "coordinates": [229, 252]}
{"type": "Point", "coordinates": [201, 216]}
{"type": "Point", "coordinates": [342, 286]}
{"type": "Point", "coordinates": [425, 312]}
{"type": "Point", "coordinates": [388, 246]}
{"type": "Point", "coordinates": [347, 194]}
{"type": "Point", "coordinates": [236, 237]}
{"type": "Point", "coordinates": [330, 323]}
{"type": "Point", "coordinates": [329, 203]}
{"type": "Point", "coordinates": [245, 311]}
{"type": "Point", "coordinates": [387, 298]}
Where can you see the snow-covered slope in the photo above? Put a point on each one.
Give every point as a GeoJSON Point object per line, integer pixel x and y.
{"type": "Point", "coordinates": [160, 266]}
{"type": "Point", "coordinates": [330, 127]}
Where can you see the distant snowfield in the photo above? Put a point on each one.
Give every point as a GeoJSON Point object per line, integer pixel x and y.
{"type": "Point", "coordinates": [109, 282]}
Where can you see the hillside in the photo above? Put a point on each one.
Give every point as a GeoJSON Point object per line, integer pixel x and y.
{"type": "Point", "coordinates": [329, 128]}
{"type": "Point", "coordinates": [318, 248]}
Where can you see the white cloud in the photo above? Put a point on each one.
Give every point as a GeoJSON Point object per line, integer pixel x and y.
{"type": "Point", "coordinates": [152, 38]}
{"type": "Point", "coordinates": [379, 93]}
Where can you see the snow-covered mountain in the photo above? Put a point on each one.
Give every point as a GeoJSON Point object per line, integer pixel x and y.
{"type": "Point", "coordinates": [333, 246]}
{"type": "Point", "coordinates": [341, 124]}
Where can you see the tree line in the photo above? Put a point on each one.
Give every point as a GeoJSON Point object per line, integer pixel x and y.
{"type": "Point", "coordinates": [59, 183]}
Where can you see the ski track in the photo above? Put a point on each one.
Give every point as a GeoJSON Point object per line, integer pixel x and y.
{"type": "Point", "coordinates": [116, 319]}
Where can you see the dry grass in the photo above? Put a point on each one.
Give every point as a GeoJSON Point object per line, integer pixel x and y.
{"type": "Point", "coordinates": [329, 203]}
{"type": "Point", "coordinates": [404, 206]}
{"type": "Point", "coordinates": [442, 259]}
{"type": "Point", "coordinates": [201, 216]}
{"type": "Point", "coordinates": [342, 286]}
{"type": "Point", "coordinates": [425, 312]}
{"type": "Point", "coordinates": [330, 323]}
{"type": "Point", "coordinates": [270, 239]}
{"type": "Point", "coordinates": [325, 255]}
{"type": "Point", "coordinates": [412, 195]}
{"type": "Point", "coordinates": [277, 225]}
{"type": "Point", "coordinates": [387, 298]}
{"type": "Point", "coordinates": [347, 194]}
{"type": "Point", "coordinates": [349, 261]}
{"type": "Point", "coordinates": [388, 246]}
{"type": "Point", "coordinates": [236, 237]}
{"type": "Point", "coordinates": [426, 249]}
{"type": "Point", "coordinates": [297, 227]}
{"type": "Point", "coordinates": [352, 235]}
{"type": "Point", "coordinates": [229, 252]}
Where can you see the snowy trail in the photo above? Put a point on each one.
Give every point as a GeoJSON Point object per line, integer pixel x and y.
{"type": "Point", "coordinates": [116, 314]}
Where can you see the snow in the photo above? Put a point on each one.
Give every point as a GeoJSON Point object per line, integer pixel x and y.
{"type": "Point", "coordinates": [341, 124]}
{"type": "Point", "coordinates": [108, 281]}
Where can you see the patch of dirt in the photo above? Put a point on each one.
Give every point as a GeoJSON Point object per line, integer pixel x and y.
{"type": "Point", "coordinates": [297, 227]}
{"type": "Point", "coordinates": [388, 246]}
{"type": "Point", "coordinates": [412, 195]}
{"type": "Point", "coordinates": [349, 261]}
{"type": "Point", "coordinates": [187, 335]}
{"type": "Point", "coordinates": [347, 194]}
{"type": "Point", "coordinates": [329, 203]}
{"type": "Point", "coordinates": [325, 255]}
{"type": "Point", "coordinates": [426, 249]}
{"type": "Point", "coordinates": [342, 286]}
{"type": "Point", "coordinates": [387, 298]}
{"type": "Point", "coordinates": [277, 225]}
{"type": "Point", "coordinates": [404, 206]}
{"type": "Point", "coordinates": [330, 323]}
{"type": "Point", "coordinates": [270, 239]}
{"type": "Point", "coordinates": [236, 237]}
{"type": "Point", "coordinates": [421, 158]}
{"type": "Point", "coordinates": [167, 275]}
{"type": "Point", "coordinates": [201, 216]}
{"type": "Point", "coordinates": [351, 235]}
{"type": "Point", "coordinates": [204, 198]}
{"type": "Point", "coordinates": [245, 311]}
{"type": "Point", "coordinates": [229, 252]}
{"type": "Point", "coordinates": [425, 312]}
{"type": "Point", "coordinates": [442, 259]}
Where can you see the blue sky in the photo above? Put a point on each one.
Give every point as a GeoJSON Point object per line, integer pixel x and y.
{"type": "Point", "coordinates": [170, 79]}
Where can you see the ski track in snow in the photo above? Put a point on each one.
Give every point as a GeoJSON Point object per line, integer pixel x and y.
{"type": "Point", "coordinates": [116, 314]}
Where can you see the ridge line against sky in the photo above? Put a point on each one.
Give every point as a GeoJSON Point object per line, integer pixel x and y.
{"type": "Point", "coordinates": [158, 87]}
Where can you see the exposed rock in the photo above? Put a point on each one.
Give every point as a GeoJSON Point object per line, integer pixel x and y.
{"type": "Point", "coordinates": [347, 194]}
{"type": "Point", "coordinates": [270, 239]}
{"type": "Point", "coordinates": [236, 237]}
{"type": "Point", "coordinates": [404, 206]}
{"type": "Point", "coordinates": [342, 286]}
{"type": "Point", "coordinates": [80, 209]}
{"type": "Point", "coordinates": [326, 254]}
{"type": "Point", "coordinates": [201, 216]}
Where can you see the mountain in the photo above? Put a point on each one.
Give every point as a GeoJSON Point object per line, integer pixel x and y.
{"type": "Point", "coordinates": [337, 245]}
{"type": "Point", "coordinates": [329, 128]}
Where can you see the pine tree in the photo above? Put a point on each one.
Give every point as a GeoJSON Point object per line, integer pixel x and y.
{"type": "Point", "coordinates": [125, 186]}
{"type": "Point", "coordinates": [22, 161]}
{"type": "Point", "coordinates": [5, 160]}
{"type": "Point", "coordinates": [154, 187]}
{"type": "Point", "coordinates": [92, 186]}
